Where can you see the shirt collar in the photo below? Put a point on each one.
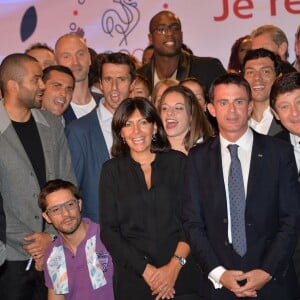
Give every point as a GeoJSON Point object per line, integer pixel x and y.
{"type": "Point", "coordinates": [103, 113]}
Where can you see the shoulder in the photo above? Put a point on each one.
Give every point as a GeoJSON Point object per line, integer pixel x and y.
{"type": "Point", "coordinates": [205, 60]}
{"type": "Point", "coordinates": [271, 143]}
{"type": "Point", "coordinates": [46, 117]}
{"type": "Point", "coordinates": [83, 123]}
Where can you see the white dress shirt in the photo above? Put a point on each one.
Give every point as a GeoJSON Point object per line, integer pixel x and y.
{"type": "Point", "coordinates": [264, 125]}
{"type": "Point", "coordinates": [82, 110]}
{"type": "Point", "coordinates": [295, 141]}
{"type": "Point", "coordinates": [245, 143]}
{"type": "Point", "coordinates": [105, 119]}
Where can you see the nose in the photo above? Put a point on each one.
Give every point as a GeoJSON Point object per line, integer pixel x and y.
{"type": "Point", "coordinates": [41, 84]}
{"type": "Point", "coordinates": [232, 107]}
{"type": "Point", "coordinates": [62, 92]}
{"type": "Point", "coordinates": [74, 60]}
{"type": "Point", "coordinates": [136, 128]}
{"type": "Point", "coordinates": [170, 111]}
{"type": "Point", "coordinates": [114, 84]}
{"type": "Point", "coordinates": [295, 110]}
{"type": "Point", "coordinates": [64, 211]}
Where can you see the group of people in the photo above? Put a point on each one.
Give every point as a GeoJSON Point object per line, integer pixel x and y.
{"type": "Point", "coordinates": [157, 182]}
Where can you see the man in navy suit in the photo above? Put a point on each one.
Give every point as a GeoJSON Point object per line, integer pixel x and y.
{"type": "Point", "coordinates": [271, 215]}
{"type": "Point", "coordinates": [90, 137]}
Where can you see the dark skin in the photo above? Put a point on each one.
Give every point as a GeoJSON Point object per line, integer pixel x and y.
{"type": "Point", "coordinates": [167, 46]}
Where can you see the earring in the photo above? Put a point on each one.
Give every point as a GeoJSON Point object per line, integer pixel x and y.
{"type": "Point", "coordinates": [124, 141]}
{"type": "Point", "coordinates": [154, 138]}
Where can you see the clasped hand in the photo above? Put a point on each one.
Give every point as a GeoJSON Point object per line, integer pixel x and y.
{"type": "Point", "coordinates": [162, 280]}
{"type": "Point", "coordinates": [255, 280]}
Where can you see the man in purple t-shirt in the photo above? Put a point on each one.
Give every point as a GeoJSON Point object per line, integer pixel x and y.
{"type": "Point", "coordinates": [76, 264]}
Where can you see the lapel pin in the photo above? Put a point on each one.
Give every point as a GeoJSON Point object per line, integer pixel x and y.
{"type": "Point", "coordinates": [260, 155]}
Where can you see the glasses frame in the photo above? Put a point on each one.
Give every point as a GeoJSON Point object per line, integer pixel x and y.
{"type": "Point", "coordinates": [49, 210]}
{"type": "Point", "coordinates": [174, 28]}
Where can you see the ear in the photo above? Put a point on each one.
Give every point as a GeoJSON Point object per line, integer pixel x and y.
{"type": "Point", "coordinates": [211, 109]}
{"type": "Point", "coordinates": [80, 204]}
{"type": "Point", "coordinates": [275, 114]}
{"type": "Point", "coordinates": [282, 50]}
{"type": "Point", "coordinates": [46, 217]}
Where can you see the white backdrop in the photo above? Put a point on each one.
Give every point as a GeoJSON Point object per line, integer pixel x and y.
{"type": "Point", "coordinates": [209, 26]}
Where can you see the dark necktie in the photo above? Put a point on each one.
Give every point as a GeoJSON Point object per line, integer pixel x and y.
{"type": "Point", "coordinates": [237, 202]}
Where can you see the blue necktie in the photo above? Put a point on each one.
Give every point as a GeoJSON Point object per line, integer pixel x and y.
{"type": "Point", "coordinates": [237, 202]}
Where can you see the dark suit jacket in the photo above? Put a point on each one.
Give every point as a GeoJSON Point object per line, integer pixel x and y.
{"type": "Point", "coordinates": [275, 127]}
{"type": "Point", "coordinates": [89, 152]}
{"type": "Point", "coordinates": [69, 114]}
{"type": "Point", "coordinates": [272, 214]}
{"type": "Point", "coordinates": [205, 69]}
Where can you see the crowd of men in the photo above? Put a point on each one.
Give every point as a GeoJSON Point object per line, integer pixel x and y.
{"type": "Point", "coordinates": [55, 135]}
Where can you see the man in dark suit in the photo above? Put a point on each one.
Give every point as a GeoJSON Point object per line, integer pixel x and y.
{"type": "Point", "coordinates": [90, 137]}
{"type": "Point", "coordinates": [285, 102]}
{"type": "Point", "coordinates": [169, 60]}
{"type": "Point", "coordinates": [270, 217]}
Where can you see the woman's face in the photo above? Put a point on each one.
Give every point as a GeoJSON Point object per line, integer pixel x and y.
{"type": "Point", "coordinates": [198, 92]}
{"type": "Point", "coordinates": [138, 133]}
{"type": "Point", "coordinates": [174, 115]}
{"type": "Point", "coordinates": [159, 93]}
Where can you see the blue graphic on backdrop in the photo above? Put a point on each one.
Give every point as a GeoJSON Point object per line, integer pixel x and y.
{"type": "Point", "coordinates": [122, 23]}
{"type": "Point", "coordinates": [28, 23]}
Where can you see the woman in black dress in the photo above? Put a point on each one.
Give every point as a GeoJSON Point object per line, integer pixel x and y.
{"type": "Point", "coordinates": [141, 194]}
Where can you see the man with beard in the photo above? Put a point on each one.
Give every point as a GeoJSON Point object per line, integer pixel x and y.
{"type": "Point", "coordinates": [169, 60]}
{"type": "Point", "coordinates": [59, 86]}
{"type": "Point", "coordinates": [33, 150]}
{"type": "Point", "coordinates": [77, 265]}
{"type": "Point", "coordinates": [71, 51]}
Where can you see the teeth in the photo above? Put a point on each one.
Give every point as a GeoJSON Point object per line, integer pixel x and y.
{"type": "Point", "coordinates": [170, 43]}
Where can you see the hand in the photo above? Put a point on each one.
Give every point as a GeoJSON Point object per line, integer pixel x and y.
{"type": "Point", "coordinates": [39, 264]}
{"type": "Point", "coordinates": [163, 280]}
{"type": "Point", "coordinates": [148, 272]}
{"type": "Point", "coordinates": [39, 242]}
{"type": "Point", "coordinates": [256, 280]}
{"type": "Point", "coordinates": [230, 279]}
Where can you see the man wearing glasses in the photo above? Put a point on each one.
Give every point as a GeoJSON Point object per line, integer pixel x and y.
{"type": "Point", "coordinates": [77, 265]}
{"type": "Point", "coordinates": [169, 60]}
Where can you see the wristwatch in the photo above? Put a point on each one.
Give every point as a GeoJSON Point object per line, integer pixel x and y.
{"type": "Point", "coordinates": [181, 259]}
{"type": "Point", "coordinates": [53, 237]}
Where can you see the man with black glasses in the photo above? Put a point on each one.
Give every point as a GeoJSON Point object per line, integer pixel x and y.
{"type": "Point", "coordinates": [169, 60]}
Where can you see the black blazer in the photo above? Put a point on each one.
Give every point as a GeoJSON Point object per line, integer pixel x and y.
{"type": "Point", "coordinates": [205, 69]}
{"type": "Point", "coordinates": [272, 214]}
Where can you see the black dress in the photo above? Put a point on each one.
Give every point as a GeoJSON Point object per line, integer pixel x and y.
{"type": "Point", "coordinates": [141, 225]}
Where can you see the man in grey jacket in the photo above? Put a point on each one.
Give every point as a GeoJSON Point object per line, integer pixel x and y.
{"type": "Point", "coordinates": [33, 150]}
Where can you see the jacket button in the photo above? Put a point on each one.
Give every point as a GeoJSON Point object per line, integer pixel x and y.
{"type": "Point", "coordinates": [225, 221]}
{"type": "Point", "coordinates": [37, 217]}
{"type": "Point", "coordinates": [226, 243]}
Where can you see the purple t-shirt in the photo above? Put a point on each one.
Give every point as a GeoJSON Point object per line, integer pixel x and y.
{"type": "Point", "coordinates": [79, 283]}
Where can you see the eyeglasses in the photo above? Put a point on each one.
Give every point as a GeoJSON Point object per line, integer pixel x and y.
{"type": "Point", "coordinates": [57, 209]}
{"type": "Point", "coordinates": [163, 29]}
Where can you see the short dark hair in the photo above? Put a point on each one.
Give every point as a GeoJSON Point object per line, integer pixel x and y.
{"type": "Point", "coordinates": [53, 186]}
{"type": "Point", "coordinates": [118, 58]}
{"type": "Point", "coordinates": [126, 108]}
{"type": "Point", "coordinates": [199, 125]}
{"type": "Point", "coordinates": [230, 78]}
{"type": "Point", "coordinates": [58, 68]}
{"type": "Point", "coordinates": [38, 46]}
{"type": "Point", "coordinates": [12, 68]}
{"type": "Point", "coordinates": [284, 84]}
{"type": "Point", "coordinates": [260, 53]}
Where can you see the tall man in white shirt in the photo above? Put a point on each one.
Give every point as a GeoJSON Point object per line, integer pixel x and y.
{"type": "Point", "coordinates": [71, 51]}
{"type": "Point", "coordinates": [270, 216]}
{"type": "Point", "coordinates": [90, 138]}
{"type": "Point", "coordinates": [260, 69]}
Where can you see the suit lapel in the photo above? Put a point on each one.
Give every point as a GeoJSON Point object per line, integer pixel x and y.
{"type": "Point", "coordinates": [216, 170]}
